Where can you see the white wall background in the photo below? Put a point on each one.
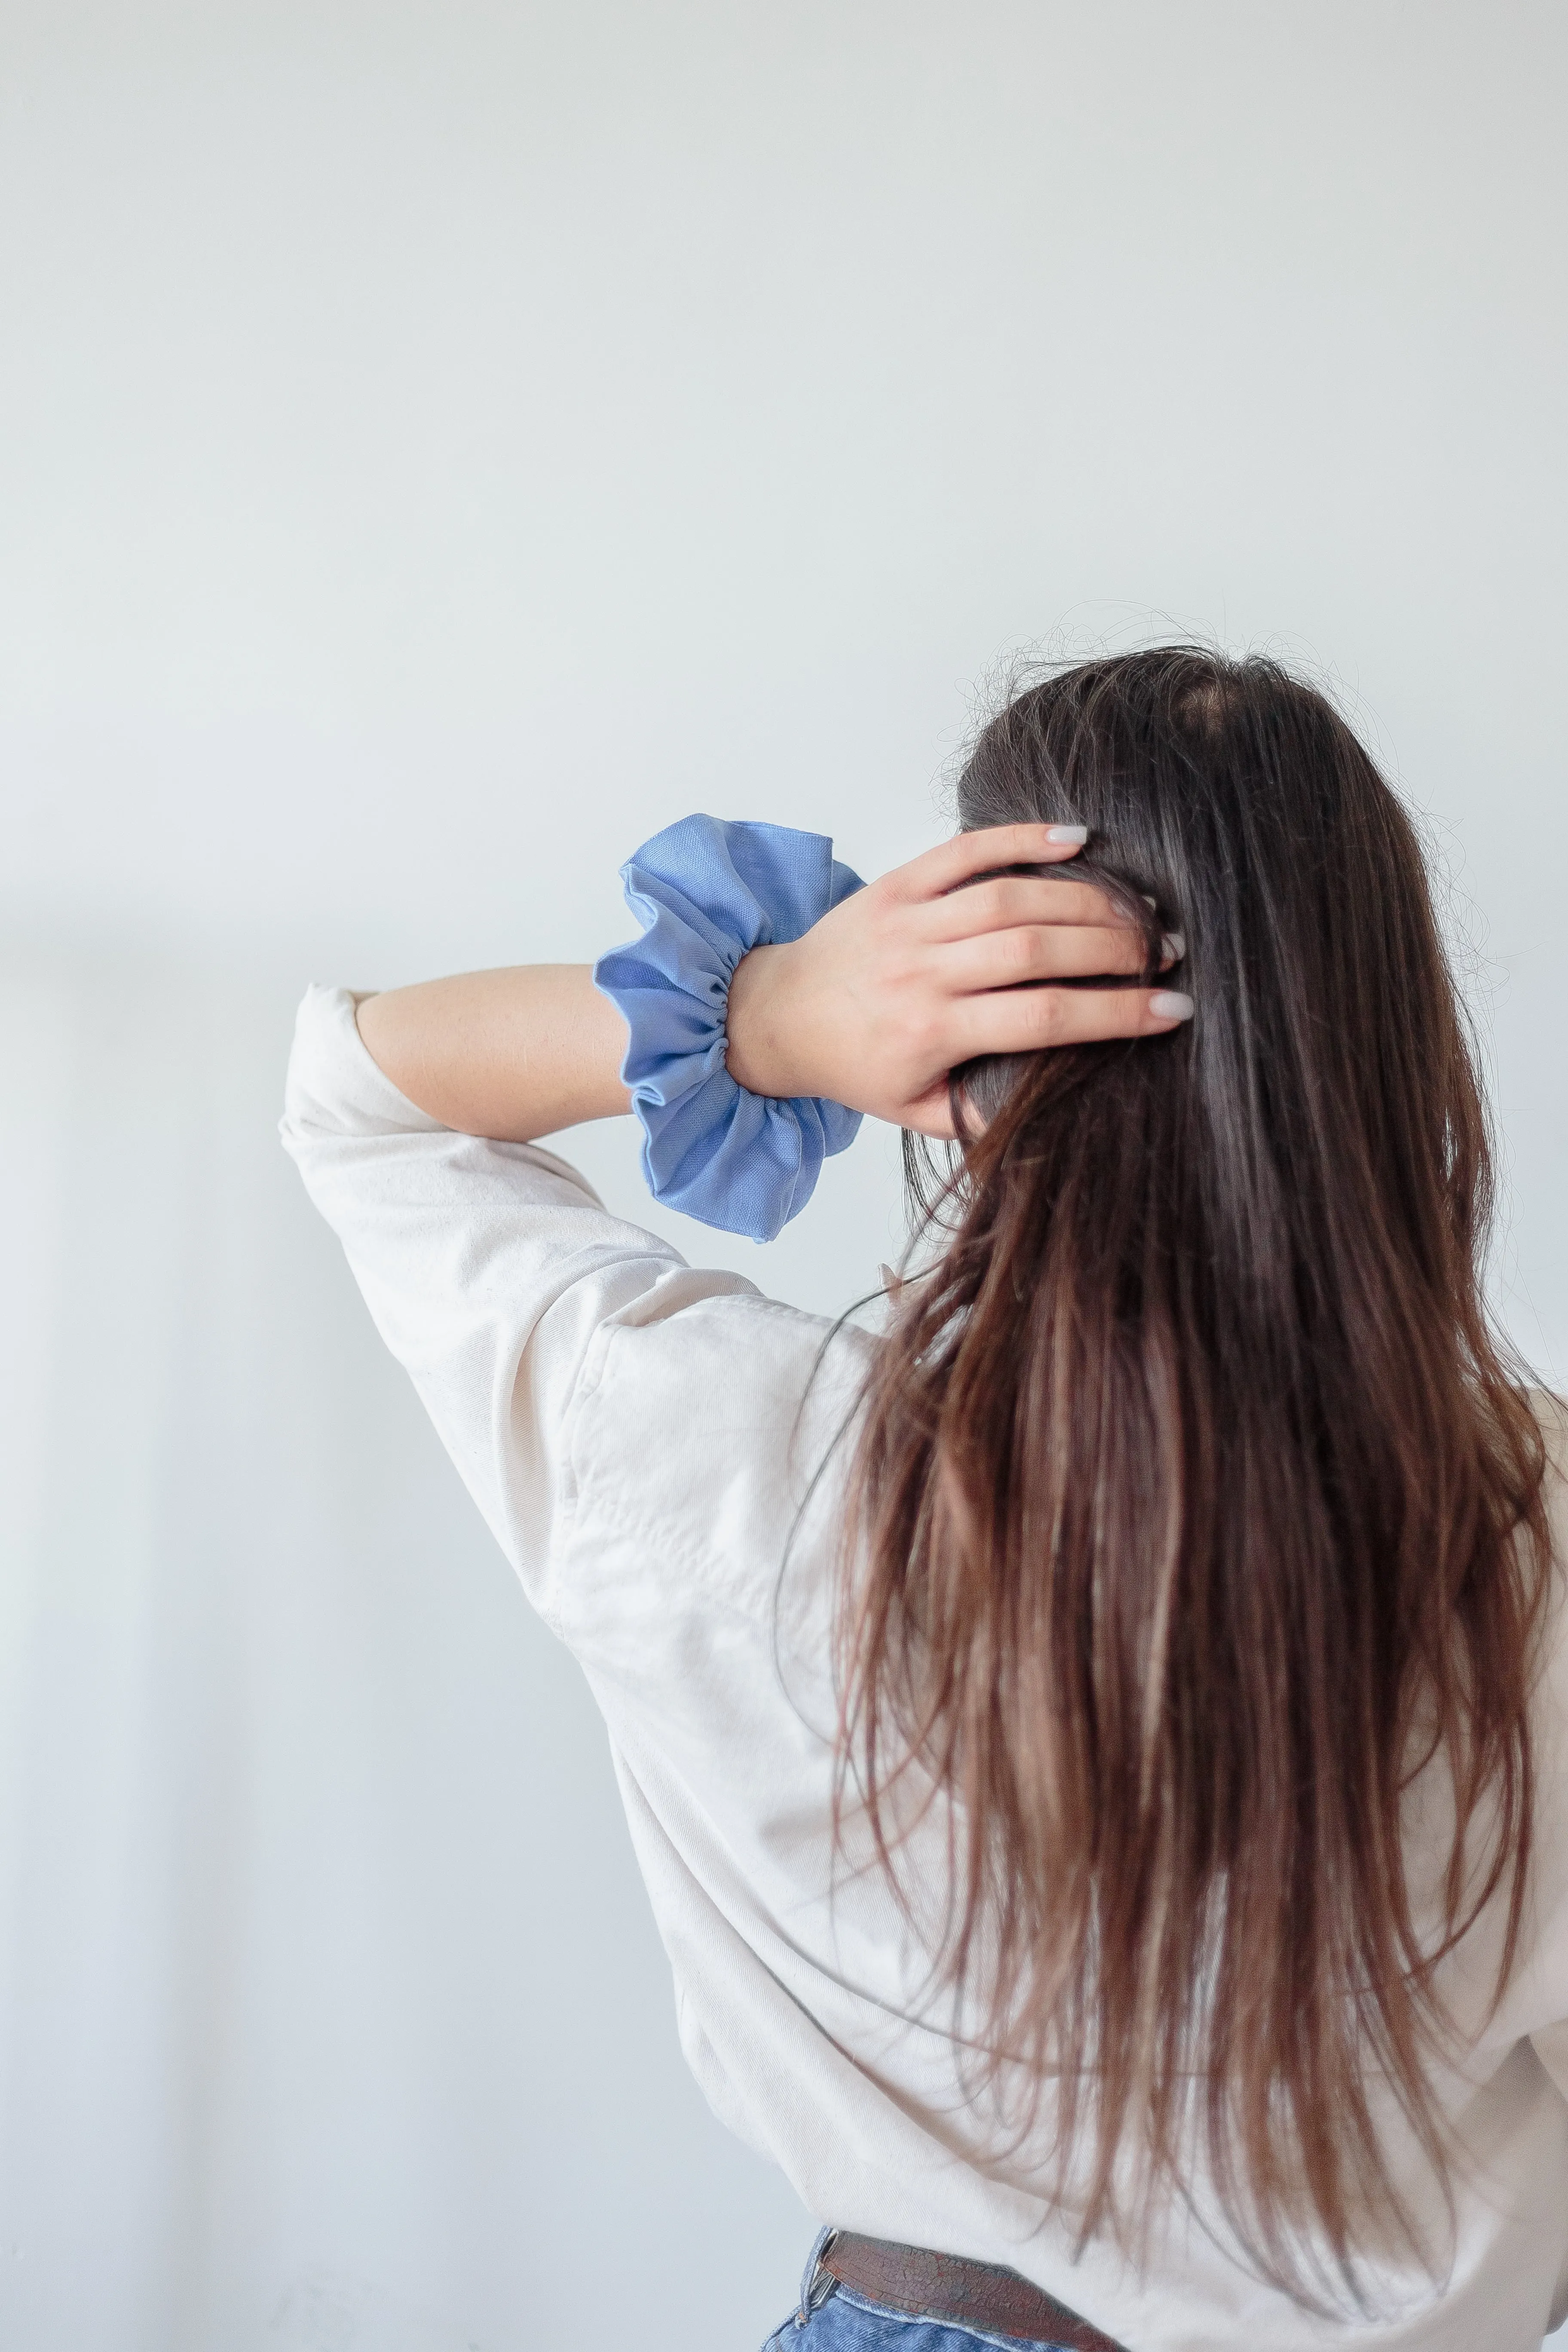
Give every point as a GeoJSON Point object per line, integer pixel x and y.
{"type": "Point", "coordinates": [439, 444]}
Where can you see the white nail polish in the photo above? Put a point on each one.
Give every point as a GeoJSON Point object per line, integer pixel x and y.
{"type": "Point", "coordinates": [1170, 1005]}
{"type": "Point", "coordinates": [1068, 835]}
{"type": "Point", "coordinates": [1174, 947]}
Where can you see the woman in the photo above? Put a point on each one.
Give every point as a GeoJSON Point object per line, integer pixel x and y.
{"type": "Point", "coordinates": [1097, 1750]}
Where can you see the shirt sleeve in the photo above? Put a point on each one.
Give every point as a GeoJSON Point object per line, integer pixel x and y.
{"type": "Point", "coordinates": [492, 1271]}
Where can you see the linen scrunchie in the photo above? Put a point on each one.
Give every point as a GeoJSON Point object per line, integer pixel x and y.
{"type": "Point", "coordinates": [705, 892]}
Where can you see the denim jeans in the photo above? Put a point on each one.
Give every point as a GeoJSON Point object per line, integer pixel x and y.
{"type": "Point", "coordinates": [847, 2322]}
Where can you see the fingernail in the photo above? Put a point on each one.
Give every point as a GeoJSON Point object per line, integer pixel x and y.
{"type": "Point", "coordinates": [1067, 836]}
{"type": "Point", "coordinates": [1170, 1005]}
{"type": "Point", "coordinates": [1174, 946]}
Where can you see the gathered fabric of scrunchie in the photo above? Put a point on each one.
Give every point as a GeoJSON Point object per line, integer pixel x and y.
{"type": "Point", "coordinates": [706, 892]}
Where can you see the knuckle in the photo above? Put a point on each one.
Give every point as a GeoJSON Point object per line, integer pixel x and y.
{"type": "Point", "coordinates": [1049, 1014]}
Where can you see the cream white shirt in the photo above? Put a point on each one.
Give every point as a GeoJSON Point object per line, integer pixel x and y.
{"type": "Point", "coordinates": [642, 1438]}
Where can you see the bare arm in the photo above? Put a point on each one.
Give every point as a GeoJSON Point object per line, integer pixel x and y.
{"type": "Point", "coordinates": [513, 1054]}
{"type": "Point", "coordinates": [871, 1008]}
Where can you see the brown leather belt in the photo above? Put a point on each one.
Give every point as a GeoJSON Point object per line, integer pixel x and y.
{"type": "Point", "coordinates": [950, 2287]}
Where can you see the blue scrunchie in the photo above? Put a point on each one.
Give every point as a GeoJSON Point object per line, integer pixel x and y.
{"type": "Point", "coordinates": [705, 892]}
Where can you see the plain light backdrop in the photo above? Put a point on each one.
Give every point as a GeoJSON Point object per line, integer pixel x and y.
{"type": "Point", "coordinates": [440, 444]}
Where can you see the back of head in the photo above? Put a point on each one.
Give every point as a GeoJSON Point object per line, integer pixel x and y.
{"type": "Point", "coordinates": [1194, 1504]}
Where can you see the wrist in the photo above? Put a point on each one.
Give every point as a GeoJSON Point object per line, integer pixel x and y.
{"type": "Point", "coordinates": [761, 1052]}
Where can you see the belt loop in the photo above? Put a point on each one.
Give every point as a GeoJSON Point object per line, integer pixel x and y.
{"type": "Point", "coordinates": [810, 2299]}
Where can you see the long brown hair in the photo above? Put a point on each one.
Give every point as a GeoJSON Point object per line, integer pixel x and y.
{"type": "Point", "coordinates": [1194, 1508]}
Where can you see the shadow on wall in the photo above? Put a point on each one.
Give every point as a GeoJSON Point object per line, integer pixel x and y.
{"type": "Point", "coordinates": [334, 2015]}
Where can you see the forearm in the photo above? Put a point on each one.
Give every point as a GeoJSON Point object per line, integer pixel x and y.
{"type": "Point", "coordinates": [513, 1054]}
{"type": "Point", "coordinates": [893, 987]}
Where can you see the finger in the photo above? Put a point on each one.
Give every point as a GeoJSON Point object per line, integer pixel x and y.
{"type": "Point", "coordinates": [1008, 900]}
{"type": "Point", "coordinates": [1024, 1019]}
{"type": "Point", "coordinates": [1038, 952]}
{"type": "Point", "coordinates": [951, 862]}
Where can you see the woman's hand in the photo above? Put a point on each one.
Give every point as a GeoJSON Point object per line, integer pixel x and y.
{"type": "Point", "coordinates": [916, 974]}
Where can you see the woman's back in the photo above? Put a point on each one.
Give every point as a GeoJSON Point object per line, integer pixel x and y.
{"type": "Point", "coordinates": [1076, 1784]}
